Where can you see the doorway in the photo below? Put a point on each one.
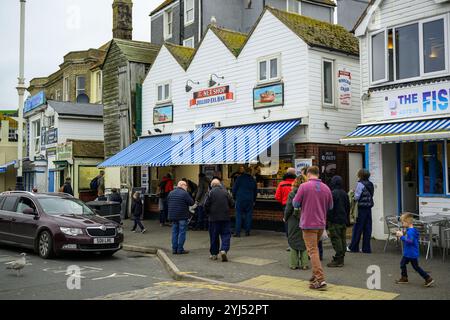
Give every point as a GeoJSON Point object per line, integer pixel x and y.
{"type": "Point", "coordinates": [409, 177]}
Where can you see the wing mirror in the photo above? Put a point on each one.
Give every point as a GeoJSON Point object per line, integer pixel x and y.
{"type": "Point", "coordinates": [30, 211]}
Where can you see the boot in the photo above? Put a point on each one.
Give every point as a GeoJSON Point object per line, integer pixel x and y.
{"type": "Point", "coordinates": [336, 263]}
{"type": "Point", "coordinates": [402, 280]}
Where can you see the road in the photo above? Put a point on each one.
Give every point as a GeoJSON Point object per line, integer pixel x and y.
{"type": "Point", "coordinates": [124, 276]}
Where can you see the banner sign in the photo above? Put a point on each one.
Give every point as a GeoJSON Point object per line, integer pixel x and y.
{"type": "Point", "coordinates": [34, 102]}
{"type": "Point", "coordinates": [302, 163]}
{"type": "Point", "coordinates": [212, 96]}
{"type": "Point", "coordinates": [345, 88]}
{"type": "Point", "coordinates": [64, 151]}
{"type": "Point", "coordinates": [417, 102]}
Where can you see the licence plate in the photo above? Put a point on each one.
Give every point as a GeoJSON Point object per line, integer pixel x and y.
{"type": "Point", "coordinates": [103, 240]}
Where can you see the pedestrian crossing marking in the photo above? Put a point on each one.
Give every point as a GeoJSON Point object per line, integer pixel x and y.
{"type": "Point", "coordinates": [298, 287]}
{"type": "Point", "coordinates": [253, 261]}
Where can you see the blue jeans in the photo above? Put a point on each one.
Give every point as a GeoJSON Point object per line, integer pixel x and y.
{"type": "Point", "coordinates": [137, 222]}
{"type": "Point", "coordinates": [200, 224]}
{"type": "Point", "coordinates": [244, 209]}
{"type": "Point", "coordinates": [178, 235]}
{"type": "Point", "coordinates": [363, 226]}
{"type": "Point", "coordinates": [415, 265]}
{"type": "Point", "coordinates": [219, 230]}
{"type": "Point", "coordinates": [164, 212]}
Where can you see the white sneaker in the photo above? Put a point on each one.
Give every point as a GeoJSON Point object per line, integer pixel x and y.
{"type": "Point", "coordinates": [223, 255]}
{"type": "Point", "coordinates": [143, 231]}
{"type": "Point", "coordinates": [213, 257]}
{"type": "Point", "coordinates": [348, 249]}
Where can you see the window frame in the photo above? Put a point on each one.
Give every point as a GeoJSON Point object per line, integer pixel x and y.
{"type": "Point", "coordinates": [421, 166]}
{"type": "Point", "coordinates": [16, 206]}
{"type": "Point", "coordinates": [76, 85]}
{"type": "Point", "coordinates": [66, 89]}
{"type": "Point", "coordinates": [169, 98]}
{"type": "Point", "coordinates": [189, 39]}
{"type": "Point", "coordinates": [166, 15]}
{"type": "Point", "coordinates": [99, 85]}
{"type": "Point", "coordinates": [333, 83]}
{"type": "Point", "coordinates": [189, 22]}
{"type": "Point", "coordinates": [267, 60]}
{"type": "Point", "coordinates": [422, 74]}
{"type": "Point", "coordinates": [36, 137]}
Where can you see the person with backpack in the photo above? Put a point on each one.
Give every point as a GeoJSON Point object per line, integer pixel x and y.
{"type": "Point", "coordinates": [98, 183]}
{"type": "Point", "coordinates": [67, 187]}
{"type": "Point", "coordinates": [364, 196]}
{"type": "Point", "coordinates": [165, 187]}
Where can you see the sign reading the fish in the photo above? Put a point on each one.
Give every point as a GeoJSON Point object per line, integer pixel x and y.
{"type": "Point", "coordinates": [211, 96]}
{"type": "Point", "coordinates": [268, 96]}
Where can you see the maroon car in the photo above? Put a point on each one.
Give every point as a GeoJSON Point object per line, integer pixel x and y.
{"type": "Point", "coordinates": [54, 223]}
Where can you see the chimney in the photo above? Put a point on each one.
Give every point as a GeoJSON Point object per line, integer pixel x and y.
{"type": "Point", "coordinates": [123, 19]}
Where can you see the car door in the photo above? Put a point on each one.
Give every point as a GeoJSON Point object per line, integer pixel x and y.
{"type": "Point", "coordinates": [8, 206]}
{"type": "Point", "coordinates": [4, 221]}
{"type": "Point", "coordinates": [24, 226]}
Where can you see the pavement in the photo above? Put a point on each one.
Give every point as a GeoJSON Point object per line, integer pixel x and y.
{"type": "Point", "coordinates": [259, 264]}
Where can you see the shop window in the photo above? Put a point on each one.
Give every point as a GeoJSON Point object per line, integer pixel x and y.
{"type": "Point", "coordinates": [85, 176]}
{"type": "Point", "coordinates": [433, 168]}
{"type": "Point", "coordinates": [163, 93]}
{"type": "Point", "coordinates": [448, 166]}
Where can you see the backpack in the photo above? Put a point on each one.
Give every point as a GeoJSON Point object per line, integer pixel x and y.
{"type": "Point", "coordinates": [94, 184]}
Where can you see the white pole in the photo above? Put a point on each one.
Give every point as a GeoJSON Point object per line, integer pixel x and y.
{"type": "Point", "coordinates": [21, 91]}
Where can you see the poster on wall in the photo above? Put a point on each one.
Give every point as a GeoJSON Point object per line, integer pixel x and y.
{"type": "Point", "coordinates": [212, 96]}
{"type": "Point", "coordinates": [328, 165]}
{"type": "Point", "coordinates": [144, 178]}
{"type": "Point", "coordinates": [345, 88]}
{"type": "Point", "coordinates": [375, 161]}
{"type": "Point", "coordinates": [268, 96]}
{"type": "Point", "coordinates": [163, 114]}
{"type": "Point", "coordinates": [302, 163]}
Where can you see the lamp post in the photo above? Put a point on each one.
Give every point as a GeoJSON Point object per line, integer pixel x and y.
{"type": "Point", "coordinates": [21, 91]}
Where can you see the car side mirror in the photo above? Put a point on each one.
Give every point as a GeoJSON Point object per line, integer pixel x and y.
{"type": "Point", "coordinates": [29, 211]}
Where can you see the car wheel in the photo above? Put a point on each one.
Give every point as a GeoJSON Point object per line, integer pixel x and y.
{"type": "Point", "coordinates": [45, 245]}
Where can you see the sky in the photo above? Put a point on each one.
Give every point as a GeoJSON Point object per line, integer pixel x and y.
{"type": "Point", "coordinates": [52, 29]}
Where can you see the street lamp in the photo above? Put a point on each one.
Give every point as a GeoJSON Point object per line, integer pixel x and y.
{"type": "Point", "coordinates": [21, 91]}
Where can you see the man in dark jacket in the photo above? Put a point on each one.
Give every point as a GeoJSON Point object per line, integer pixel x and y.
{"type": "Point", "coordinates": [67, 187]}
{"type": "Point", "coordinates": [337, 220]}
{"type": "Point", "coordinates": [115, 196]}
{"type": "Point", "coordinates": [244, 192]}
{"type": "Point", "coordinates": [217, 208]}
{"type": "Point", "coordinates": [178, 202]}
{"type": "Point", "coordinates": [202, 192]}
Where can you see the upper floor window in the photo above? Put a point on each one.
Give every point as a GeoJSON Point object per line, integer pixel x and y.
{"type": "Point", "coordinates": [328, 82]}
{"type": "Point", "coordinates": [81, 85]}
{"type": "Point", "coordinates": [36, 135]}
{"type": "Point", "coordinates": [163, 92]}
{"type": "Point", "coordinates": [189, 42]}
{"type": "Point", "coordinates": [189, 10]}
{"type": "Point", "coordinates": [168, 24]}
{"type": "Point", "coordinates": [99, 85]}
{"type": "Point", "coordinates": [269, 69]}
{"type": "Point", "coordinates": [409, 51]}
{"type": "Point", "coordinates": [58, 95]}
{"type": "Point", "coordinates": [51, 121]}
{"type": "Point", "coordinates": [66, 88]}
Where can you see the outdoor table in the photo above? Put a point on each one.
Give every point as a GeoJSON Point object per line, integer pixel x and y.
{"type": "Point", "coordinates": [435, 220]}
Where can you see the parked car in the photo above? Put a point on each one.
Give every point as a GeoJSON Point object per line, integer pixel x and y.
{"type": "Point", "coordinates": [53, 223]}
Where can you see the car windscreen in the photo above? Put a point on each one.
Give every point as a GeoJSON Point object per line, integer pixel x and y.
{"type": "Point", "coordinates": [59, 206]}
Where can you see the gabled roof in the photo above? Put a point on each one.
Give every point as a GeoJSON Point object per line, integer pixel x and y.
{"type": "Point", "coordinates": [325, 2]}
{"type": "Point", "coordinates": [318, 33]}
{"type": "Point", "coordinates": [137, 51]}
{"type": "Point", "coordinates": [367, 14]}
{"type": "Point", "coordinates": [233, 40]}
{"type": "Point", "coordinates": [162, 6]}
{"type": "Point", "coordinates": [183, 55]}
{"type": "Point", "coordinates": [77, 109]}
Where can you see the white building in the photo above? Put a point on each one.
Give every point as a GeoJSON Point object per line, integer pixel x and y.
{"type": "Point", "coordinates": [62, 141]}
{"type": "Point", "coordinates": [291, 73]}
{"type": "Point", "coordinates": [405, 112]}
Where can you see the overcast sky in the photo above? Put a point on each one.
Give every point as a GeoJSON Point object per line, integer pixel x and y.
{"type": "Point", "coordinates": [53, 28]}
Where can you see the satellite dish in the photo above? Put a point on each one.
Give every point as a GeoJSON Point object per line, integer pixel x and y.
{"type": "Point", "coordinates": [82, 98]}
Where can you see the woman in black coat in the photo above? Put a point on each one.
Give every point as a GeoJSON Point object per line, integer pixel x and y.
{"type": "Point", "coordinates": [136, 210]}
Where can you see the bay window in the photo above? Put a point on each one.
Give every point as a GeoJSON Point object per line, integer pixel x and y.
{"type": "Point", "coordinates": [409, 51]}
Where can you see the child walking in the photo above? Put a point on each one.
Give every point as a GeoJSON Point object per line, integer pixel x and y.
{"type": "Point", "coordinates": [136, 209]}
{"type": "Point", "coordinates": [411, 250]}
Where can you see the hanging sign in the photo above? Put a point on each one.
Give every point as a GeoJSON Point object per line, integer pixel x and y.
{"type": "Point", "coordinates": [345, 88]}
{"type": "Point", "coordinates": [212, 96]}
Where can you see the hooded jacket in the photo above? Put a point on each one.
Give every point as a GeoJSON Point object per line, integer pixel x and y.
{"type": "Point", "coordinates": [411, 243]}
{"type": "Point", "coordinates": [284, 188]}
{"type": "Point", "coordinates": [340, 214]}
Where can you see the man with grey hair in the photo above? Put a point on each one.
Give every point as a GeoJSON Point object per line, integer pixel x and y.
{"type": "Point", "coordinates": [217, 207]}
{"type": "Point", "coordinates": [178, 202]}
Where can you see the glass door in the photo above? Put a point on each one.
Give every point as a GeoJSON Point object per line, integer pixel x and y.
{"type": "Point", "coordinates": [409, 177]}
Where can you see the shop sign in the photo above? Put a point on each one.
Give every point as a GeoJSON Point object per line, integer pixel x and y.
{"type": "Point", "coordinates": [268, 96]}
{"type": "Point", "coordinates": [52, 136]}
{"type": "Point", "coordinates": [33, 102]}
{"type": "Point", "coordinates": [51, 152]}
{"type": "Point", "coordinates": [345, 88]}
{"type": "Point", "coordinates": [163, 114]}
{"type": "Point", "coordinates": [417, 102]}
{"type": "Point", "coordinates": [300, 164]}
{"type": "Point", "coordinates": [211, 96]}
{"type": "Point", "coordinates": [64, 151]}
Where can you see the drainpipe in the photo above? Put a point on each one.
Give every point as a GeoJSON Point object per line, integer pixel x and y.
{"type": "Point", "coordinates": [181, 22]}
{"type": "Point", "coordinates": [200, 20]}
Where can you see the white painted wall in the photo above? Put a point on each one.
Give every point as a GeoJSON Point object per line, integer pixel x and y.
{"type": "Point", "coordinates": [301, 74]}
{"type": "Point", "coordinates": [78, 129]}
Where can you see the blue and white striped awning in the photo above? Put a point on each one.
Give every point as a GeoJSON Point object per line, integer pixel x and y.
{"type": "Point", "coordinates": [393, 132]}
{"type": "Point", "coordinates": [204, 145]}
{"type": "Point", "coordinates": [4, 167]}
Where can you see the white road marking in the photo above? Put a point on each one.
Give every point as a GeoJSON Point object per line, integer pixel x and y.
{"type": "Point", "coordinates": [114, 275]}
{"type": "Point", "coordinates": [135, 275]}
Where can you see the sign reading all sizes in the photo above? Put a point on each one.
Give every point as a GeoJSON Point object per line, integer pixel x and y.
{"type": "Point", "coordinates": [212, 96]}
{"type": "Point", "coordinates": [416, 102]}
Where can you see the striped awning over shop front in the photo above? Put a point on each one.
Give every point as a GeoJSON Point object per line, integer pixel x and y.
{"type": "Point", "coordinates": [4, 167]}
{"type": "Point", "coordinates": [406, 131]}
{"type": "Point", "coordinates": [204, 145]}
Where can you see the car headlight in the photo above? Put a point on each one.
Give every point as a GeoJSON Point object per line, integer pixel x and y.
{"type": "Point", "coordinates": [119, 230]}
{"type": "Point", "coordinates": [71, 231]}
